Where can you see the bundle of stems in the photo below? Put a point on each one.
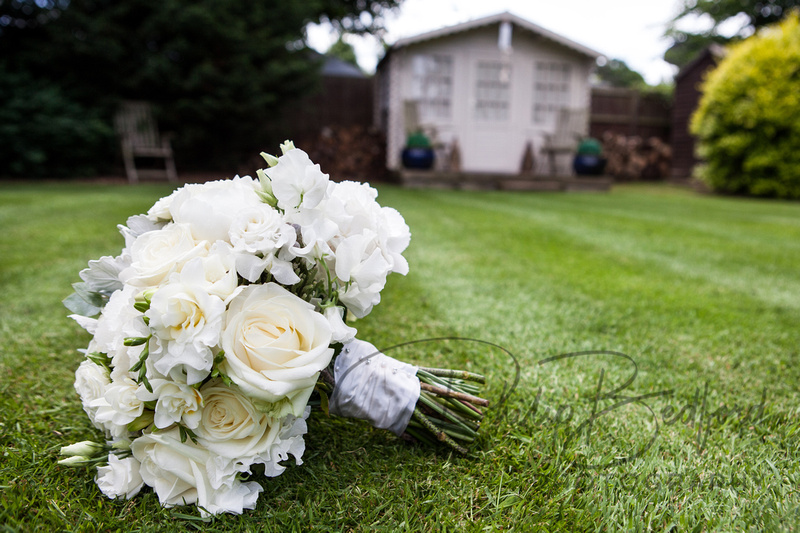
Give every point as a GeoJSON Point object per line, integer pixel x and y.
{"type": "Point", "coordinates": [448, 409]}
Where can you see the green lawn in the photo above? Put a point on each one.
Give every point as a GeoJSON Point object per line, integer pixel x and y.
{"type": "Point", "coordinates": [700, 293]}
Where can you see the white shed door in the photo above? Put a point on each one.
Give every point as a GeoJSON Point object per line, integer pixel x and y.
{"type": "Point", "coordinates": [489, 143]}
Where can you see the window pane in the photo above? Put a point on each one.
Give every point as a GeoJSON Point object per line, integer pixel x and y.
{"type": "Point", "coordinates": [492, 91]}
{"type": "Point", "coordinates": [433, 85]}
{"type": "Point", "coordinates": [551, 90]}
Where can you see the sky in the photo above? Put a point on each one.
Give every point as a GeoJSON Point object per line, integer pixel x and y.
{"type": "Point", "coordinates": [630, 30]}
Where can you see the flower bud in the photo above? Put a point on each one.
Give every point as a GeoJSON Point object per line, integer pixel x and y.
{"type": "Point", "coordinates": [122, 444]}
{"type": "Point", "coordinates": [82, 449]}
{"type": "Point", "coordinates": [76, 460]}
{"type": "Point", "coordinates": [270, 159]}
{"type": "Point", "coordinates": [286, 146]}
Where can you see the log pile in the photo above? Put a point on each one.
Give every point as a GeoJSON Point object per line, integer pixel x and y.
{"type": "Point", "coordinates": [352, 153]}
{"type": "Point", "coordinates": [634, 158]}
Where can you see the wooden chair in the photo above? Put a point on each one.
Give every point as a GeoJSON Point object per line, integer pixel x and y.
{"type": "Point", "coordinates": [571, 126]}
{"type": "Point", "coordinates": [139, 137]}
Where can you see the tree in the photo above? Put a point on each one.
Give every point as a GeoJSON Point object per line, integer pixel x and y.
{"type": "Point", "coordinates": [617, 73]}
{"type": "Point", "coordinates": [344, 51]}
{"type": "Point", "coordinates": [218, 71]}
{"type": "Point", "coordinates": [752, 14]}
{"type": "Point", "coordinates": [748, 120]}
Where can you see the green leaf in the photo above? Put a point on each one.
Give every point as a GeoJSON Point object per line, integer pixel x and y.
{"type": "Point", "coordinates": [79, 306]}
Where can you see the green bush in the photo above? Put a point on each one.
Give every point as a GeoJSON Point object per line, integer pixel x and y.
{"type": "Point", "coordinates": [748, 120]}
{"type": "Point", "coordinates": [45, 133]}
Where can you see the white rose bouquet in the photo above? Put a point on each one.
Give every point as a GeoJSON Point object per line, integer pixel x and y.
{"type": "Point", "coordinates": [225, 310]}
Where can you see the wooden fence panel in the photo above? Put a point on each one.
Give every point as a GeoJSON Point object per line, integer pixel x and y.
{"type": "Point", "coordinates": [629, 112]}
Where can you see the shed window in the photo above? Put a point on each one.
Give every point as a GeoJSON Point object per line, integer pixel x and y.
{"type": "Point", "coordinates": [492, 94]}
{"type": "Point", "coordinates": [433, 85]}
{"type": "Point", "coordinates": [551, 90]}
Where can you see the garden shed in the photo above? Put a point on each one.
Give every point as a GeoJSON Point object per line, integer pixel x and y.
{"type": "Point", "coordinates": [491, 86]}
{"type": "Point", "coordinates": [687, 97]}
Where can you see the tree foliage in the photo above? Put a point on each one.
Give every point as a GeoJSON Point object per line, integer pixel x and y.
{"type": "Point", "coordinates": [218, 71]}
{"type": "Point", "coordinates": [343, 50]}
{"type": "Point", "coordinates": [748, 120]}
{"type": "Point", "coordinates": [617, 73]}
{"type": "Point", "coordinates": [752, 14]}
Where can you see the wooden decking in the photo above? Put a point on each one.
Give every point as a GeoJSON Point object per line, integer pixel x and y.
{"type": "Point", "coordinates": [503, 182]}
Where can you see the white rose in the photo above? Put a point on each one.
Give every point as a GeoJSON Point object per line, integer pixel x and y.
{"type": "Point", "coordinates": [297, 181]}
{"type": "Point", "coordinates": [231, 426]}
{"type": "Point", "coordinates": [188, 322]}
{"type": "Point", "coordinates": [91, 382]}
{"type": "Point", "coordinates": [175, 402]}
{"type": "Point", "coordinates": [161, 209]}
{"type": "Point", "coordinates": [157, 254]}
{"type": "Point", "coordinates": [275, 345]}
{"type": "Point", "coordinates": [178, 473]}
{"type": "Point", "coordinates": [120, 477]}
{"type": "Point", "coordinates": [210, 208]}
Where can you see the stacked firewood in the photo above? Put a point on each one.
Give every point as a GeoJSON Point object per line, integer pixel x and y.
{"type": "Point", "coordinates": [634, 158]}
{"type": "Point", "coordinates": [352, 153]}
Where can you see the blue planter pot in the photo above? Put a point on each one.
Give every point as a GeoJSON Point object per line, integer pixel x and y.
{"type": "Point", "coordinates": [588, 165]}
{"type": "Point", "coordinates": [418, 158]}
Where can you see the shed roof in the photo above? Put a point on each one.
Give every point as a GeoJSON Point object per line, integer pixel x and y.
{"type": "Point", "coordinates": [333, 66]}
{"type": "Point", "coordinates": [496, 19]}
{"type": "Point", "coordinates": [714, 50]}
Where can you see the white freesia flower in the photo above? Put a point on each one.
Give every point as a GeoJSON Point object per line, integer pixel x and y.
{"type": "Point", "coordinates": [360, 212]}
{"type": "Point", "coordinates": [275, 345]}
{"type": "Point", "coordinates": [394, 236]}
{"type": "Point", "coordinates": [360, 241]}
{"type": "Point", "coordinates": [341, 332]}
{"type": "Point", "coordinates": [91, 382]}
{"type": "Point", "coordinates": [290, 442]}
{"type": "Point", "coordinates": [157, 254]}
{"type": "Point", "coordinates": [317, 231]}
{"type": "Point", "coordinates": [297, 181]}
{"type": "Point", "coordinates": [175, 402]}
{"type": "Point", "coordinates": [188, 322]}
{"type": "Point", "coordinates": [210, 208]}
{"type": "Point", "coordinates": [120, 478]}
{"type": "Point", "coordinates": [178, 473]}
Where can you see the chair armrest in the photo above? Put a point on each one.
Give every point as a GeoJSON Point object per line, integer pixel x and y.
{"type": "Point", "coordinates": [166, 138]}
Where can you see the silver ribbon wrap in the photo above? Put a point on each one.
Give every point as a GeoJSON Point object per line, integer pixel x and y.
{"type": "Point", "coordinates": [374, 387]}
